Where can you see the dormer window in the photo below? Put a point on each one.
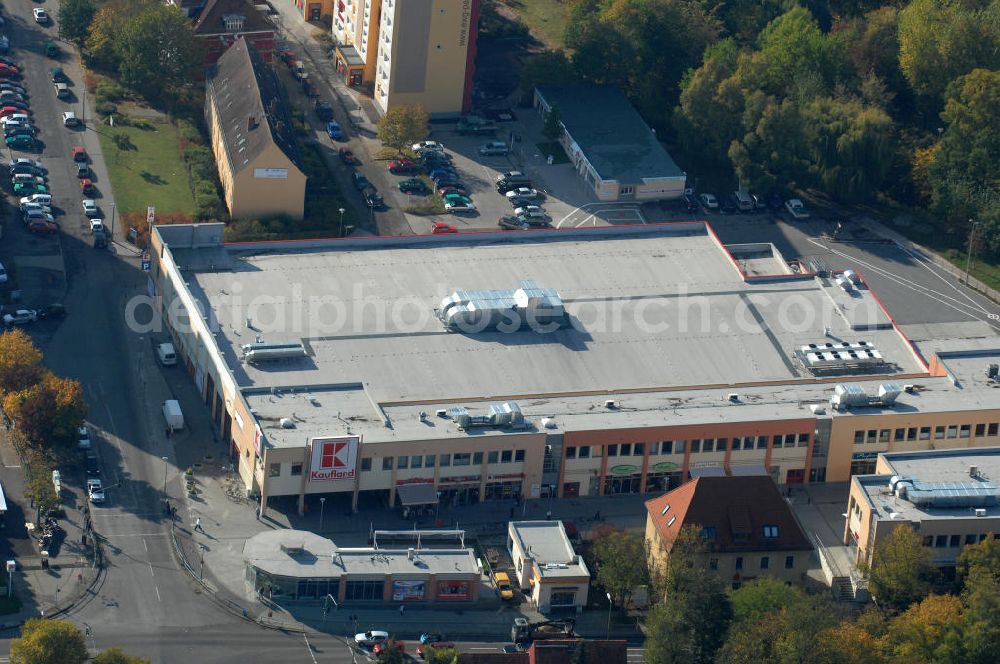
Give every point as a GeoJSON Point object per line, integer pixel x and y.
{"type": "Point", "coordinates": [770, 532]}
{"type": "Point", "coordinates": [234, 22]}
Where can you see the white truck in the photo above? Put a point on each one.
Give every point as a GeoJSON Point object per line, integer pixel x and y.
{"type": "Point", "coordinates": [173, 415]}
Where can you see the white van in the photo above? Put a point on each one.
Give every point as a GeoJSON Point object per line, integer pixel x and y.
{"type": "Point", "coordinates": [743, 201]}
{"type": "Point", "coordinates": [173, 415]}
{"type": "Point", "coordinates": [166, 354]}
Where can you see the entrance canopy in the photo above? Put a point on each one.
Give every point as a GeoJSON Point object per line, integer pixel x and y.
{"type": "Point", "coordinates": [417, 494]}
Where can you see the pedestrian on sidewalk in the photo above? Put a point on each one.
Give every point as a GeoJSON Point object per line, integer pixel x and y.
{"type": "Point", "coordinates": [197, 524]}
{"type": "Point", "coordinates": [548, 515]}
{"type": "Point", "coordinates": [401, 609]}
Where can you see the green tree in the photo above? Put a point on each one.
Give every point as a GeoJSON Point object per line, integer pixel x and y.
{"type": "Point", "coordinates": [754, 600]}
{"type": "Point", "coordinates": [940, 40]}
{"type": "Point", "coordinates": [441, 655]}
{"type": "Point", "coordinates": [552, 129]}
{"type": "Point", "coordinates": [48, 642]}
{"type": "Point", "coordinates": [965, 173]}
{"type": "Point", "coordinates": [620, 557]}
{"type": "Point", "coordinates": [785, 634]}
{"type": "Point", "coordinates": [118, 656]}
{"type": "Point", "coordinates": [690, 625]}
{"type": "Point", "coordinates": [74, 19]}
{"type": "Point", "coordinates": [930, 631]}
{"type": "Point", "coordinates": [795, 55]}
{"type": "Point", "coordinates": [158, 52]}
{"type": "Point", "coordinates": [104, 35]}
{"type": "Point", "coordinates": [846, 643]}
{"type": "Point", "coordinates": [709, 117]}
{"type": "Point", "coordinates": [547, 68]}
{"type": "Point", "coordinates": [20, 362]}
{"type": "Point", "coordinates": [900, 572]}
{"type": "Point", "coordinates": [402, 126]}
{"type": "Point", "coordinates": [979, 567]}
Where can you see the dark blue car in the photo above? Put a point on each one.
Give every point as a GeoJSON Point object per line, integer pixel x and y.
{"type": "Point", "coordinates": [334, 130]}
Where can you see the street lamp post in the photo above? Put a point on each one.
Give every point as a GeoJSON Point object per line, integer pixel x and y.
{"type": "Point", "coordinates": [608, 635]}
{"type": "Point", "coordinates": [165, 459]}
{"type": "Point", "coordinates": [113, 225]}
{"type": "Point", "coordinates": [11, 565]}
{"type": "Point", "coordinates": [342, 211]}
{"type": "Point", "coordinates": [968, 256]}
{"type": "Point", "coordinates": [322, 506]}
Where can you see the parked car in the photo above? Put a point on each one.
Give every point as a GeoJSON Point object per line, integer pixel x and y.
{"type": "Point", "coordinates": [82, 170]}
{"type": "Point", "coordinates": [42, 226]}
{"type": "Point", "coordinates": [709, 201]}
{"type": "Point", "coordinates": [20, 142]}
{"type": "Point", "coordinates": [44, 199]}
{"type": "Point", "coordinates": [452, 189]}
{"type": "Point", "coordinates": [27, 208]}
{"type": "Point", "coordinates": [414, 186]}
{"type": "Point", "coordinates": [530, 212]}
{"type": "Point", "coordinates": [83, 438]}
{"type": "Point", "coordinates": [53, 311]}
{"type": "Point", "coordinates": [58, 75]}
{"type": "Point", "coordinates": [62, 90]}
{"type": "Point", "coordinates": [464, 205]}
{"type": "Point", "coordinates": [442, 171]}
{"type": "Point", "coordinates": [775, 202]}
{"type": "Point", "coordinates": [440, 228]}
{"type": "Point", "coordinates": [512, 223]}
{"type": "Point", "coordinates": [20, 317]}
{"type": "Point", "coordinates": [97, 226]}
{"type": "Point", "coordinates": [523, 193]}
{"type": "Point", "coordinates": [797, 209]}
{"type": "Point", "coordinates": [494, 148]}
{"type": "Point", "coordinates": [87, 187]}
{"type": "Point", "coordinates": [90, 208]}
{"type": "Point", "coordinates": [379, 648]}
{"type": "Point", "coordinates": [324, 111]}
{"type": "Point", "coordinates": [41, 16]}
{"type": "Point", "coordinates": [373, 199]}
{"type": "Point", "coordinates": [370, 638]}
{"type": "Point", "coordinates": [690, 202]}
{"type": "Point", "coordinates": [70, 120]}
{"type": "Point", "coordinates": [427, 146]}
{"type": "Point", "coordinates": [7, 85]}
{"type": "Point", "coordinates": [28, 188]}
{"type": "Point", "coordinates": [728, 205]}
{"type": "Point", "coordinates": [95, 491]}
{"type": "Point", "coordinates": [431, 637]}
{"type": "Point", "coordinates": [347, 156]}
{"type": "Point", "coordinates": [360, 181]}
{"type": "Point", "coordinates": [21, 165]}
{"type": "Point", "coordinates": [334, 131]}
{"type": "Point", "coordinates": [90, 463]}
{"type": "Point", "coordinates": [430, 158]}
{"type": "Point", "coordinates": [403, 166]}
{"type": "Point", "coordinates": [79, 153]}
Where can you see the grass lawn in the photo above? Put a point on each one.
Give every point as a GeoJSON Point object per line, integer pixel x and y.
{"type": "Point", "coordinates": [546, 19]}
{"type": "Point", "coordinates": [151, 173]}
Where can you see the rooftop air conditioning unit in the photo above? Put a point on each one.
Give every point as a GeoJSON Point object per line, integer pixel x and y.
{"type": "Point", "coordinates": [980, 511]}
{"type": "Point", "coordinates": [973, 471]}
{"type": "Point", "coordinates": [441, 412]}
{"type": "Point", "coordinates": [733, 396]}
{"type": "Point", "coordinates": [610, 404]}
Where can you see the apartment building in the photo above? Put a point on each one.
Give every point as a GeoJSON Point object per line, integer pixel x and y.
{"type": "Point", "coordinates": [595, 361]}
{"type": "Point", "coordinates": [255, 149]}
{"type": "Point", "coordinates": [748, 528]}
{"type": "Point", "coordinates": [950, 497]}
{"type": "Point", "coordinates": [414, 52]}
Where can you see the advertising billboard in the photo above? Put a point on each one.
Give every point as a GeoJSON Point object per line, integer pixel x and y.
{"type": "Point", "coordinates": [454, 591]}
{"type": "Point", "coordinates": [403, 591]}
{"type": "Point", "coordinates": [333, 458]}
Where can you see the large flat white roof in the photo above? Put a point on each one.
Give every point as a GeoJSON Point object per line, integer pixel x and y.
{"type": "Point", "coordinates": [547, 544]}
{"type": "Point", "coordinates": [648, 308]}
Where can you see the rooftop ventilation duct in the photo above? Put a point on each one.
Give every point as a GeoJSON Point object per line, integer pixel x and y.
{"type": "Point", "coordinates": [505, 415]}
{"type": "Point", "coordinates": [528, 307]}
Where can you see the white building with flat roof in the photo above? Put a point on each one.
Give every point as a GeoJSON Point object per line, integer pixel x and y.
{"type": "Point", "coordinates": [552, 575]}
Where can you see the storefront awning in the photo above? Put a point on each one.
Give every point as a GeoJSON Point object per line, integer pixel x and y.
{"type": "Point", "coordinates": [707, 471]}
{"type": "Point", "coordinates": [744, 470]}
{"type": "Point", "coordinates": [417, 494]}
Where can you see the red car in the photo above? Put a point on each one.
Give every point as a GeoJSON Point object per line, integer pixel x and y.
{"type": "Point", "coordinates": [87, 186]}
{"type": "Point", "coordinates": [8, 70]}
{"type": "Point", "coordinates": [403, 166]}
{"type": "Point", "coordinates": [437, 645]}
{"type": "Point", "coordinates": [79, 154]}
{"type": "Point", "coordinates": [42, 226]}
{"type": "Point", "coordinates": [9, 110]}
{"type": "Point", "coordinates": [347, 156]}
{"type": "Point", "coordinates": [440, 228]}
{"type": "Point", "coordinates": [380, 647]}
{"type": "Point", "coordinates": [451, 189]}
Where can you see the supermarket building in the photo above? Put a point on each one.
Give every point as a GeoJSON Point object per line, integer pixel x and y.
{"type": "Point", "coordinates": [651, 355]}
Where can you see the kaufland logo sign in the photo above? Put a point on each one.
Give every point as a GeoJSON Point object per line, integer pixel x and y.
{"type": "Point", "coordinates": [334, 459]}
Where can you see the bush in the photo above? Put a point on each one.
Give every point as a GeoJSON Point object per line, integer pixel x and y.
{"type": "Point", "coordinates": [189, 131]}
{"type": "Point", "coordinates": [106, 108]}
{"type": "Point", "coordinates": [110, 90]}
{"type": "Point", "coordinates": [200, 163]}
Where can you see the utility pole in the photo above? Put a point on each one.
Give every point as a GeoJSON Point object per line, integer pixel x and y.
{"type": "Point", "coordinates": [968, 256]}
{"type": "Point", "coordinates": [322, 506]}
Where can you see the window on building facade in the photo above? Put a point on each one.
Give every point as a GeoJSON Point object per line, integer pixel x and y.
{"type": "Point", "coordinates": [872, 436]}
{"type": "Point", "coordinates": [971, 539]}
{"type": "Point", "coordinates": [803, 440]}
{"type": "Point", "coordinates": [953, 431]}
{"type": "Point", "coordinates": [761, 442]}
{"type": "Point", "coordinates": [938, 433]}
{"type": "Point", "coordinates": [708, 533]}
{"type": "Point", "coordinates": [980, 430]}
{"type": "Point", "coordinates": [387, 463]}
{"type": "Point", "coordinates": [680, 446]}
{"type": "Point", "coordinates": [925, 433]}
{"type": "Point", "coordinates": [506, 456]}
{"type": "Point", "coordinates": [992, 429]}
{"type": "Point", "coordinates": [667, 447]}
{"type": "Point", "coordinates": [654, 448]}
{"type": "Point", "coordinates": [585, 452]}
{"type": "Point", "coordinates": [611, 450]}
{"type": "Point", "coordinates": [883, 436]}
{"type": "Point", "coordinates": [403, 463]}
{"type": "Point", "coordinates": [941, 542]}
{"type": "Point", "coordinates": [789, 562]}
{"type": "Point", "coordinates": [765, 562]}
{"type": "Point", "coordinates": [911, 433]}
{"type": "Point", "coordinates": [494, 456]}
{"type": "Point", "coordinates": [696, 446]}
{"type": "Point", "coordinates": [954, 541]}
{"type": "Point", "coordinates": [929, 540]}
{"type": "Point", "coordinates": [739, 562]}
{"type": "Point", "coordinates": [518, 455]}
{"type": "Point", "coordinates": [859, 436]}
{"type": "Point", "coordinates": [570, 452]}
{"type": "Point", "coordinates": [366, 464]}
{"type": "Point", "coordinates": [429, 460]}
{"type": "Point", "coordinates": [477, 459]}
{"type": "Point", "coordinates": [965, 431]}
{"type": "Point", "coordinates": [461, 459]}
{"type": "Point", "coordinates": [900, 435]}
{"type": "Point", "coordinates": [713, 563]}
{"type": "Point", "coordinates": [274, 470]}
{"type": "Point", "coordinates": [625, 449]}
{"type": "Point", "coordinates": [777, 441]}
{"type": "Point", "coordinates": [638, 449]}
{"type": "Point", "coordinates": [417, 461]}
{"type": "Point", "coordinates": [445, 460]}
{"type": "Point", "coordinates": [770, 532]}
{"type": "Point", "coordinates": [747, 443]}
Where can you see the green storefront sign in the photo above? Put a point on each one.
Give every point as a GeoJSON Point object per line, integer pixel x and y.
{"type": "Point", "coordinates": [666, 467]}
{"type": "Point", "coordinates": [624, 469]}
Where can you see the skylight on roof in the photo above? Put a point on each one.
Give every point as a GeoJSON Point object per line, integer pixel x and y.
{"type": "Point", "coordinates": [671, 521]}
{"type": "Point", "coordinates": [666, 508]}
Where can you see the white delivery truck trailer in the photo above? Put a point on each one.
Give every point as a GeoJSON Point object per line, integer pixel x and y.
{"type": "Point", "coordinates": [173, 415]}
